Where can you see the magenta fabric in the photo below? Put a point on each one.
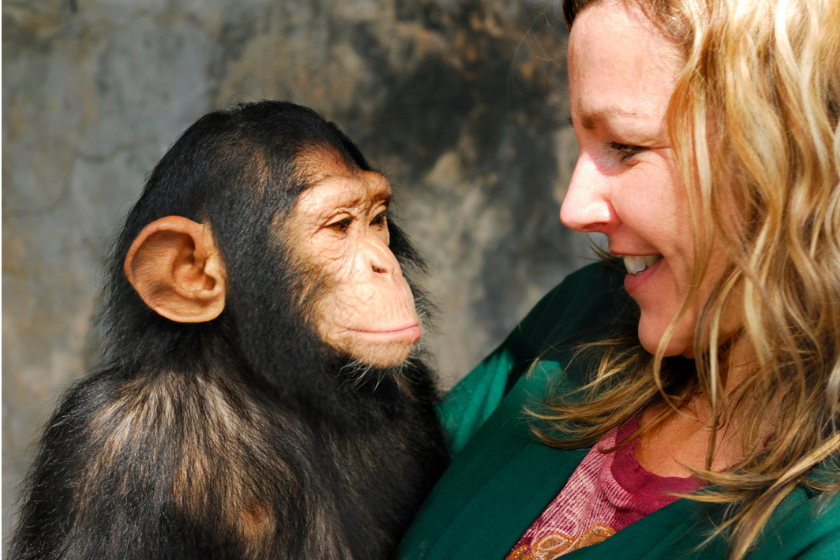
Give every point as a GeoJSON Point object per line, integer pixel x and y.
{"type": "Point", "coordinates": [606, 493]}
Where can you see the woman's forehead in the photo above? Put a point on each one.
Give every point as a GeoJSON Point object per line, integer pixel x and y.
{"type": "Point", "coordinates": [620, 65]}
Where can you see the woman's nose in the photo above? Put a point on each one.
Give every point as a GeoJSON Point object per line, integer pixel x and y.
{"type": "Point", "coordinates": [587, 206]}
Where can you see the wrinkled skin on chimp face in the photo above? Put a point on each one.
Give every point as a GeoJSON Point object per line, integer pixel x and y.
{"type": "Point", "coordinates": [340, 230]}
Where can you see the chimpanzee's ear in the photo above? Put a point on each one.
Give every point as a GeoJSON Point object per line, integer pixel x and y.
{"type": "Point", "coordinates": [176, 268]}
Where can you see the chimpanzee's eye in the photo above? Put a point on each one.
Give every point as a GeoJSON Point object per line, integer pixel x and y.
{"type": "Point", "coordinates": [380, 219]}
{"type": "Point", "coordinates": [341, 225]}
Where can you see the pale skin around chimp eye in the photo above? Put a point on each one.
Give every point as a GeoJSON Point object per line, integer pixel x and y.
{"type": "Point", "coordinates": [341, 231]}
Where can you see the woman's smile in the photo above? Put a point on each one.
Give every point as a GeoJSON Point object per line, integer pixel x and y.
{"type": "Point", "coordinates": [639, 270]}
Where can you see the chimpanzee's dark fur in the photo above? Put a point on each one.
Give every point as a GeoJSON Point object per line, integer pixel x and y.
{"type": "Point", "coordinates": [244, 437]}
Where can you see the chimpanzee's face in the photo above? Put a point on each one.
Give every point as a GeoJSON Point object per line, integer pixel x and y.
{"type": "Point", "coordinates": [340, 230]}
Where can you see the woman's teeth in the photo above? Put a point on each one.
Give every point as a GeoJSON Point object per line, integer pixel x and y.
{"type": "Point", "coordinates": [635, 265]}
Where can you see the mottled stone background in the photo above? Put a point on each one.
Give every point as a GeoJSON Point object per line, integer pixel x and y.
{"type": "Point", "coordinates": [462, 103]}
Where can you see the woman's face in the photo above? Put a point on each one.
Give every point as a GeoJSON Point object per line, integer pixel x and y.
{"type": "Point", "coordinates": [622, 72]}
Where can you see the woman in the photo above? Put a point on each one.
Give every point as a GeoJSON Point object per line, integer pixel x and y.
{"type": "Point", "coordinates": [687, 406]}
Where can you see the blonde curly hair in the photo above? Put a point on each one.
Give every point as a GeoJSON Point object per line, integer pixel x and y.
{"type": "Point", "coordinates": [754, 124]}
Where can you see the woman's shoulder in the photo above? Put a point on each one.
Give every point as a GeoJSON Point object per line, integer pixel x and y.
{"type": "Point", "coordinates": [582, 307]}
{"type": "Point", "coordinates": [806, 526]}
{"type": "Point", "coordinates": [584, 302]}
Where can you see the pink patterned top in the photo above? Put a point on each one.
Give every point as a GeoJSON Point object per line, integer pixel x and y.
{"type": "Point", "coordinates": [606, 493]}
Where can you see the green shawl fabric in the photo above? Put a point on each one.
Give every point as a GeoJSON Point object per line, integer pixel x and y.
{"type": "Point", "coordinates": [502, 478]}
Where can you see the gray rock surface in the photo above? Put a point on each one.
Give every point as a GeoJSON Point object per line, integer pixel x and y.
{"type": "Point", "coordinates": [461, 103]}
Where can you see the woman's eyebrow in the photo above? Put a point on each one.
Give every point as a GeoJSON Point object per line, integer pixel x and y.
{"type": "Point", "coordinates": [590, 117]}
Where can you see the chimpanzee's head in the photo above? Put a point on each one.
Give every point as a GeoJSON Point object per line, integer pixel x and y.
{"type": "Point", "coordinates": [267, 220]}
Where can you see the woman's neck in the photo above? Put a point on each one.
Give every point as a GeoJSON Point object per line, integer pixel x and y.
{"type": "Point", "coordinates": [681, 441]}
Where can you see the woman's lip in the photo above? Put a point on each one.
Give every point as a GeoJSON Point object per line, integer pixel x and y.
{"type": "Point", "coordinates": [620, 254]}
{"type": "Point", "coordinates": [633, 282]}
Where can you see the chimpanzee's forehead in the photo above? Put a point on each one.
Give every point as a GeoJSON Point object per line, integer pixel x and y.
{"type": "Point", "coordinates": [322, 162]}
{"type": "Point", "coordinates": [350, 191]}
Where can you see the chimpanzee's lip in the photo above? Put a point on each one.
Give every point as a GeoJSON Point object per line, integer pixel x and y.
{"type": "Point", "coordinates": [410, 333]}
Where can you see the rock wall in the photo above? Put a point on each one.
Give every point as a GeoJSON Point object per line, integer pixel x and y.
{"type": "Point", "coordinates": [461, 103]}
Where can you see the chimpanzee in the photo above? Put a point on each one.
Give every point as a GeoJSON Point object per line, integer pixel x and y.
{"type": "Point", "coordinates": [258, 394]}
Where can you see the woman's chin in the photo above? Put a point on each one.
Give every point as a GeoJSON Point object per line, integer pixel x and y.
{"type": "Point", "coordinates": [677, 346]}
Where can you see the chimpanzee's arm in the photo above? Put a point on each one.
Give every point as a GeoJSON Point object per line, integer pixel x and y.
{"type": "Point", "coordinates": [164, 467]}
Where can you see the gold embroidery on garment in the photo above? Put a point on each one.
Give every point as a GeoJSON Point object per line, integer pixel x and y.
{"type": "Point", "coordinates": [557, 544]}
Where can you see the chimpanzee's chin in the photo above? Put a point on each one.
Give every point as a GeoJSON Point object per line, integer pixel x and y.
{"type": "Point", "coordinates": [363, 374]}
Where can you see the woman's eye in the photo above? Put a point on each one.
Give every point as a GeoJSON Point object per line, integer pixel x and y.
{"type": "Point", "coordinates": [380, 219]}
{"type": "Point", "coordinates": [626, 151]}
{"type": "Point", "coordinates": [341, 225]}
